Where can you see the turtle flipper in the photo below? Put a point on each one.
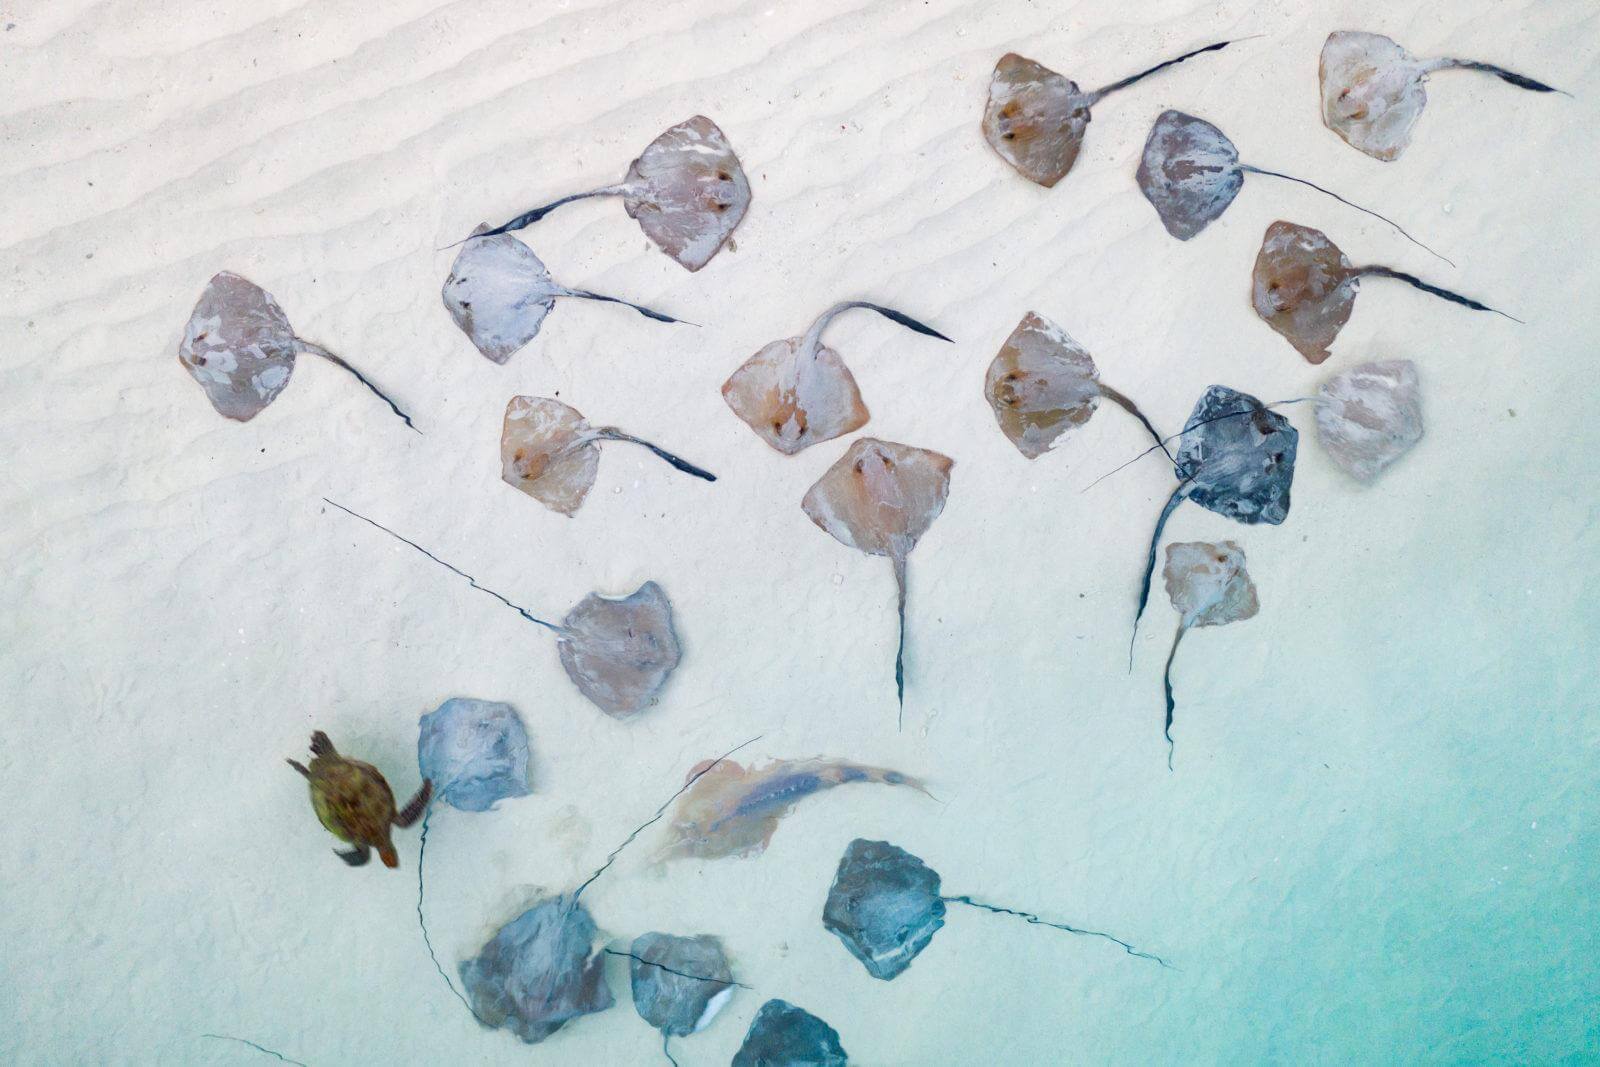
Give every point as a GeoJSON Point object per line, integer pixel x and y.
{"type": "Point", "coordinates": [414, 807]}
{"type": "Point", "coordinates": [299, 767]}
{"type": "Point", "coordinates": [321, 746]}
{"type": "Point", "coordinates": [356, 856]}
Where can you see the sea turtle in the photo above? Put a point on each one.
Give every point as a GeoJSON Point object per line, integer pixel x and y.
{"type": "Point", "coordinates": [355, 803]}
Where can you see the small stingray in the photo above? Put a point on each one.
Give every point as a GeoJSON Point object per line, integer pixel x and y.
{"type": "Point", "coordinates": [549, 451]}
{"type": "Point", "coordinates": [797, 392]}
{"type": "Point", "coordinates": [539, 971]}
{"type": "Point", "coordinates": [679, 983]}
{"type": "Point", "coordinates": [239, 346]}
{"type": "Point", "coordinates": [686, 190]}
{"type": "Point", "coordinates": [782, 1035]}
{"type": "Point", "coordinates": [733, 810]}
{"type": "Point", "coordinates": [1190, 172]}
{"type": "Point", "coordinates": [618, 652]}
{"type": "Point", "coordinates": [1209, 586]}
{"type": "Point", "coordinates": [478, 749]}
{"type": "Point", "coordinates": [1035, 119]}
{"type": "Point", "coordinates": [1043, 384]}
{"type": "Point", "coordinates": [880, 498]}
{"type": "Point", "coordinates": [1370, 416]}
{"type": "Point", "coordinates": [885, 906]}
{"type": "Point", "coordinates": [1373, 89]}
{"type": "Point", "coordinates": [499, 292]}
{"type": "Point", "coordinates": [1305, 288]}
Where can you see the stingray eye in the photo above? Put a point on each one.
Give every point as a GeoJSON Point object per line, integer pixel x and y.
{"type": "Point", "coordinates": [861, 466]}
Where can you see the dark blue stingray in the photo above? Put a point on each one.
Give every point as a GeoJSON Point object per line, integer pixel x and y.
{"type": "Point", "coordinates": [782, 1035]}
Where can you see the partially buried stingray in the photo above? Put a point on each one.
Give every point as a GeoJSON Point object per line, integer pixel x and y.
{"type": "Point", "coordinates": [1305, 288]}
{"type": "Point", "coordinates": [686, 189]}
{"type": "Point", "coordinates": [549, 451]}
{"type": "Point", "coordinates": [797, 392]}
{"type": "Point", "coordinates": [880, 498]}
{"type": "Point", "coordinates": [1370, 416]}
{"type": "Point", "coordinates": [619, 652]}
{"type": "Point", "coordinates": [1209, 586]}
{"type": "Point", "coordinates": [239, 346]}
{"type": "Point", "coordinates": [1035, 119]}
{"type": "Point", "coordinates": [1373, 90]}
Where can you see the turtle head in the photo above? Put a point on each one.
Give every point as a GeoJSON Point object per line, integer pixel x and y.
{"type": "Point", "coordinates": [388, 855]}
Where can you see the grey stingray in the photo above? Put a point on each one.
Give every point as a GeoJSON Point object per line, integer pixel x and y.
{"type": "Point", "coordinates": [549, 451]}
{"type": "Point", "coordinates": [1190, 172]}
{"type": "Point", "coordinates": [1035, 119]}
{"type": "Point", "coordinates": [1209, 586]}
{"type": "Point", "coordinates": [1373, 90]}
{"type": "Point", "coordinates": [619, 652]}
{"type": "Point", "coordinates": [885, 906]}
{"type": "Point", "coordinates": [686, 190]}
{"type": "Point", "coordinates": [1370, 416]}
{"type": "Point", "coordinates": [477, 750]}
{"type": "Point", "coordinates": [539, 971]}
{"type": "Point", "coordinates": [1043, 384]}
{"type": "Point", "coordinates": [499, 293]}
{"type": "Point", "coordinates": [679, 983]}
{"type": "Point", "coordinates": [797, 392]}
{"type": "Point", "coordinates": [782, 1035]}
{"type": "Point", "coordinates": [239, 346]}
{"type": "Point", "coordinates": [880, 498]}
{"type": "Point", "coordinates": [1305, 288]}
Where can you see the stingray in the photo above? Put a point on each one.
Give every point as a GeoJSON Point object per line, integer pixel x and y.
{"type": "Point", "coordinates": [619, 652]}
{"type": "Point", "coordinates": [686, 190]}
{"type": "Point", "coordinates": [885, 906]}
{"type": "Point", "coordinates": [880, 498]}
{"type": "Point", "coordinates": [797, 392]}
{"type": "Point", "coordinates": [1190, 172]}
{"type": "Point", "coordinates": [1035, 119]}
{"type": "Point", "coordinates": [1370, 416]}
{"type": "Point", "coordinates": [539, 971]}
{"type": "Point", "coordinates": [1209, 586]}
{"type": "Point", "coordinates": [1373, 90]}
{"type": "Point", "coordinates": [1305, 288]}
{"type": "Point", "coordinates": [1043, 384]}
{"type": "Point", "coordinates": [240, 347]}
{"type": "Point", "coordinates": [782, 1035]}
{"type": "Point", "coordinates": [679, 983]}
{"type": "Point", "coordinates": [549, 451]}
{"type": "Point", "coordinates": [499, 293]}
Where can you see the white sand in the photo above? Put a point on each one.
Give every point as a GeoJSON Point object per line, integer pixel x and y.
{"type": "Point", "coordinates": [1379, 840]}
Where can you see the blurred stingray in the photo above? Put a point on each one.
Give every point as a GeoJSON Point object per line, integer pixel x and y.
{"type": "Point", "coordinates": [539, 971]}
{"type": "Point", "coordinates": [239, 346]}
{"type": "Point", "coordinates": [880, 498]}
{"type": "Point", "coordinates": [1209, 586]}
{"type": "Point", "coordinates": [1305, 288]}
{"type": "Point", "coordinates": [549, 451]}
{"type": "Point", "coordinates": [499, 292]}
{"type": "Point", "coordinates": [1370, 416]}
{"type": "Point", "coordinates": [885, 906]}
{"type": "Point", "coordinates": [1373, 90]}
{"type": "Point", "coordinates": [1036, 119]}
{"type": "Point", "coordinates": [782, 1035]}
{"type": "Point", "coordinates": [679, 983]}
{"type": "Point", "coordinates": [686, 189]}
{"type": "Point", "coordinates": [618, 652]}
{"type": "Point", "coordinates": [797, 392]}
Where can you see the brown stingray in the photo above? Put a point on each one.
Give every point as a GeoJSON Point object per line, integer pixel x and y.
{"type": "Point", "coordinates": [1305, 288]}
{"type": "Point", "coordinates": [797, 392]}
{"type": "Point", "coordinates": [1035, 118]}
{"type": "Point", "coordinates": [880, 498]}
{"type": "Point", "coordinates": [1209, 586]}
{"type": "Point", "coordinates": [240, 347]}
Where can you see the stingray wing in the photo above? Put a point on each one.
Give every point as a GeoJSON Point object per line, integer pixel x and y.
{"type": "Point", "coordinates": [1040, 385]}
{"type": "Point", "coordinates": [546, 452]}
{"type": "Point", "coordinates": [1189, 172]}
{"type": "Point", "coordinates": [1372, 92]}
{"type": "Point", "coordinates": [1303, 287]}
{"type": "Point", "coordinates": [688, 191]}
{"type": "Point", "coordinates": [1035, 119]}
{"type": "Point", "coordinates": [238, 345]}
{"type": "Point", "coordinates": [498, 293]}
{"type": "Point", "coordinates": [620, 652]}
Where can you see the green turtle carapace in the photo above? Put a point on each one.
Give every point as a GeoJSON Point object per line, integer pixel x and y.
{"type": "Point", "coordinates": [355, 803]}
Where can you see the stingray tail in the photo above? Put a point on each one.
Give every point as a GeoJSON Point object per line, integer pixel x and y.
{"type": "Point", "coordinates": [1150, 563]}
{"type": "Point", "coordinates": [1032, 919]}
{"type": "Point", "coordinates": [1131, 408]}
{"type": "Point", "coordinates": [318, 350]}
{"type": "Point", "coordinates": [1521, 81]}
{"type": "Point", "coordinates": [422, 854]}
{"type": "Point", "coordinates": [1166, 681]}
{"type": "Point", "coordinates": [528, 218]}
{"type": "Point", "coordinates": [611, 433]}
{"type": "Point", "coordinates": [900, 649]}
{"type": "Point", "coordinates": [646, 312]}
{"type": "Point", "coordinates": [1350, 203]}
{"type": "Point", "coordinates": [1443, 294]}
{"type": "Point", "coordinates": [1100, 94]}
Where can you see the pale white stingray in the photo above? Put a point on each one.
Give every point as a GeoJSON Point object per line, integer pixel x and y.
{"type": "Point", "coordinates": [1370, 416]}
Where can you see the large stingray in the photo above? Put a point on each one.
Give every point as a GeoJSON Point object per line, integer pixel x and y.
{"type": "Point", "coordinates": [539, 971]}
{"type": "Point", "coordinates": [1373, 90]}
{"type": "Point", "coordinates": [797, 392]}
{"type": "Point", "coordinates": [1305, 288]}
{"type": "Point", "coordinates": [782, 1035]}
{"type": "Point", "coordinates": [1370, 416]}
{"type": "Point", "coordinates": [686, 190]}
{"type": "Point", "coordinates": [885, 906]}
{"type": "Point", "coordinates": [619, 652]}
{"type": "Point", "coordinates": [499, 292]}
{"type": "Point", "coordinates": [239, 346]}
{"type": "Point", "coordinates": [549, 451]}
{"type": "Point", "coordinates": [1209, 586]}
{"type": "Point", "coordinates": [880, 498]}
{"type": "Point", "coordinates": [1036, 118]}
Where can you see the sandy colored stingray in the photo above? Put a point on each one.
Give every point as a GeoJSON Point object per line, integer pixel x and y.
{"type": "Point", "coordinates": [239, 346]}
{"type": "Point", "coordinates": [1209, 586]}
{"type": "Point", "coordinates": [1035, 118]}
{"type": "Point", "coordinates": [549, 451]}
{"type": "Point", "coordinates": [1373, 90]}
{"type": "Point", "coordinates": [880, 498]}
{"type": "Point", "coordinates": [732, 810]}
{"type": "Point", "coordinates": [686, 190]}
{"type": "Point", "coordinates": [797, 392]}
{"type": "Point", "coordinates": [354, 803]}
{"type": "Point", "coordinates": [1305, 288]}
{"type": "Point", "coordinates": [1370, 416]}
